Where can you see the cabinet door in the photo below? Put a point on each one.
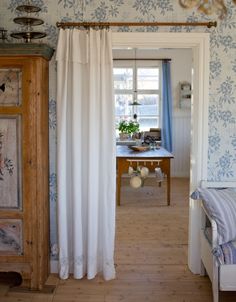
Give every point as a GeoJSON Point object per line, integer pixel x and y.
{"type": "Point", "coordinates": [15, 207]}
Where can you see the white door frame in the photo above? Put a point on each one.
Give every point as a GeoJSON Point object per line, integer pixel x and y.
{"type": "Point", "coordinates": [199, 43]}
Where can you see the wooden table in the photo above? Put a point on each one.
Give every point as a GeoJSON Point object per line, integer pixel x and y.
{"type": "Point", "coordinates": [124, 155]}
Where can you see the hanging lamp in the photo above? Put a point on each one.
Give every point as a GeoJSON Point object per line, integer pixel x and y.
{"type": "Point", "coordinates": [207, 7]}
{"type": "Point", "coordinates": [135, 102]}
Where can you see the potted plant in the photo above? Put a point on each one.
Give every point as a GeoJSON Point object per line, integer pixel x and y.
{"type": "Point", "coordinates": [127, 128]}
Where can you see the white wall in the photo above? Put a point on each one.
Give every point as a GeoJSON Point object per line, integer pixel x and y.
{"type": "Point", "coordinates": [181, 66]}
{"type": "Point", "coordinates": [180, 166]}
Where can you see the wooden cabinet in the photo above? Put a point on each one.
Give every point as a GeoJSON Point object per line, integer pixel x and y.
{"type": "Point", "coordinates": [24, 197]}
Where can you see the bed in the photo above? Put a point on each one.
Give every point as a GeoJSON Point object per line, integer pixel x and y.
{"type": "Point", "coordinates": [218, 237]}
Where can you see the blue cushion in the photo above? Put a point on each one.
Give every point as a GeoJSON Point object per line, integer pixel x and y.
{"type": "Point", "coordinates": [221, 206]}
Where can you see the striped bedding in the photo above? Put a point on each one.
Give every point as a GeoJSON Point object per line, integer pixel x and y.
{"type": "Point", "coordinates": [221, 206]}
{"type": "Point", "coordinates": [225, 253]}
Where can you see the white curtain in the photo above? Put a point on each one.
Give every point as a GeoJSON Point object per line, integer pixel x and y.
{"type": "Point", "coordinates": [86, 153]}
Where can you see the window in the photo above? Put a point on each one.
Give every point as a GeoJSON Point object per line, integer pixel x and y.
{"type": "Point", "coordinates": [138, 81]}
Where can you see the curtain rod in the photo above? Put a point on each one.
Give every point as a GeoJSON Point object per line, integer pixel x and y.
{"type": "Point", "coordinates": [108, 24]}
{"type": "Point", "coordinates": [140, 59]}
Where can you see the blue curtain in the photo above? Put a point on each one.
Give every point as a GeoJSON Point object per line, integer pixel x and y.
{"type": "Point", "coordinates": [166, 135]}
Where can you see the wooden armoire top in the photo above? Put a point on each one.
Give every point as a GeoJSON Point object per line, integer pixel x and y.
{"type": "Point", "coordinates": [26, 49]}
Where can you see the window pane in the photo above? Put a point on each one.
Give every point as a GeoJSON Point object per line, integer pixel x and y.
{"type": "Point", "coordinates": [123, 78]}
{"type": "Point", "coordinates": [148, 122]}
{"type": "Point", "coordinates": [148, 78]}
{"type": "Point", "coordinates": [122, 107]}
{"type": "Point", "coordinates": [149, 104]}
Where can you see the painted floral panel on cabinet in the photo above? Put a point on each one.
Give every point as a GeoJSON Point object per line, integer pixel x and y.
{"type": "Point", "coordinates": [11, 237]}
{"type": "Point", "coordinates": [10, 87]}
{"type": "Point", "coordinates": [10, 188]}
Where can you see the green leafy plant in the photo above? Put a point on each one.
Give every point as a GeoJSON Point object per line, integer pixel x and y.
{"type": "Point", "coordinates": [129, 127]}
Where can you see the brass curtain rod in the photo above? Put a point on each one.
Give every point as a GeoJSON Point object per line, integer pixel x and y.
{"type": "Point", "coordinates": [108, 24]}
{"type": "Point", "coordinates": [140, 59]}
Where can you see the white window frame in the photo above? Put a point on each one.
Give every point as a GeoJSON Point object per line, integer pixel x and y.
{"type": "Point", "coordinates": [135, 64]}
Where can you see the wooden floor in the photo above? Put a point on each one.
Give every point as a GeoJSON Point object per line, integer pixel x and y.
{"type": "Point", "coordinates": [151, 256]}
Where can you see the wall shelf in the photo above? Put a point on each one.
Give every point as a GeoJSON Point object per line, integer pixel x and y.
{"type": "Point", "coordinates": [185, 94]}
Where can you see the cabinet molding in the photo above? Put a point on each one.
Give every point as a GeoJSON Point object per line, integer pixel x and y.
{"type": "Point", "coordinates": [31, 49]}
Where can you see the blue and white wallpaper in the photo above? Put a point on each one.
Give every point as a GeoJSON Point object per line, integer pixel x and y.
{"type": "Point", "coordinates": [222, 110]}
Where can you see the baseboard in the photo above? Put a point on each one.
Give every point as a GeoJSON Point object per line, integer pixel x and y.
{"type": "Point", "coordinates": [53, 266]}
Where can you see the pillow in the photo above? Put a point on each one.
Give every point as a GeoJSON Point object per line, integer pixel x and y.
{"type": "Point", "coordinates": [221, 206]}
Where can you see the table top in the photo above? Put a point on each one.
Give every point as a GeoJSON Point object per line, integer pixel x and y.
{"type": "Point", "coordinates": [125, 151]}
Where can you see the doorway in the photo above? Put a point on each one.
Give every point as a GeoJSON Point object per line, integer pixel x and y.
{"type": "Point", "coordinates": [199, 43]}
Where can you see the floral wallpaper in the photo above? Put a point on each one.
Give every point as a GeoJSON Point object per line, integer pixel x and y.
{"type": "Point", "coordinates": [222, 109]}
